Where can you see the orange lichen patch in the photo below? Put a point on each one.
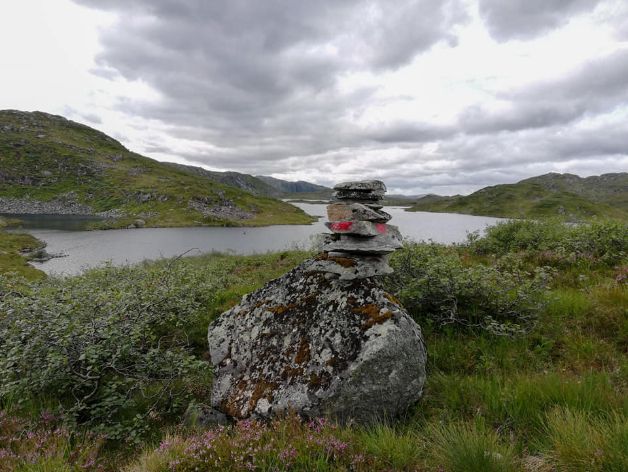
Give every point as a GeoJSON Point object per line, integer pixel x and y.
{"type": "Point", "coordinates": [263, 389]}
{"type": "Point", "coordinates": [303, 353]}
{"type": "Point", "coordinates": [291, 372]}
{"type": "Point", "coordinates": [341, 261]}
{"type": "Point", "coordinates": [232, 405]}
{"type": "Point", "coordinates": [281, 309]}
{"type": "Point", "coordinates": [372, 314]}
{"type": "Point", "coordinates": [392, 298]}
{"type": "Point", "coordinates": [344, 261]}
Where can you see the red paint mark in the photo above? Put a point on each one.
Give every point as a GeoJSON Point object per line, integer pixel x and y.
{"type": "Point", "coordinates": [341, 226]}
{"type": "Point", "coordinates": [381, 228]}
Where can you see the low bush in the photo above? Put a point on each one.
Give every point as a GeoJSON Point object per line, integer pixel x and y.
{"type": "Point", "coordinates": [435, 285]}
{"type": "Point", "coordinates": [597, 242]}
{"type": "Point", "coordinates": [109, 348]}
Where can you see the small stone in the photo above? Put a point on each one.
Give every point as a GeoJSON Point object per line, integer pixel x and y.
{"type": "Point", "coordinates": [205, 416]}
{"type": "Point", "coordinates": [359, 228]}
{"type": "Point", "coordinates": [380, 244]}
{"type": "Point", "coordinates": [139, 223]}
{"type": "Point", "coordinates": [349, 267]}
{"type": "Point", "coordinates": [362, 185]}
{"type": "Point", "coordinates": [359, 195]}
{"type": "Point", "coordinates": [356, 212]}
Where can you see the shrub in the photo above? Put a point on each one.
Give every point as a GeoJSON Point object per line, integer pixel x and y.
{"type": "Point", "coordinates": [110, 347]}
{"type": "Point", "coordinates": [434, 284]}
{"type": "Point", "coordinates": [604, 242]}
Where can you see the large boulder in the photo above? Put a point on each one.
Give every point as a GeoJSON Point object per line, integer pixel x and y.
{"type": "Point", "coordinates": [317, 345]}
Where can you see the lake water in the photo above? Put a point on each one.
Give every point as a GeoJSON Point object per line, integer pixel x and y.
{"type": "Point", "coordinates": [84, 249]}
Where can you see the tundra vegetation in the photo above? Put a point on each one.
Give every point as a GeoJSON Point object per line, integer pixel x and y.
{"type": "Point", "coordinates": [526, 328]}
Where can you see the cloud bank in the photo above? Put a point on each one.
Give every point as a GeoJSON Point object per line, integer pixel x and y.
{"type": "Point", "coordinates": [431, 95]}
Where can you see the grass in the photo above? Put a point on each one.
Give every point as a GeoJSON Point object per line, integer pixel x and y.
{"type": "Point", "coordinates": [12, 258]}
{"type": "Point", "coordinates": [44, 157]}
{"type": "Point", "coordinates": [554, 398]}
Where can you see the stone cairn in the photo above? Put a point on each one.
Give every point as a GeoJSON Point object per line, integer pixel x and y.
{"type": "Point", "coordinates": [361, 240]}
{"type": "Point", "coordinates": [325, 339]}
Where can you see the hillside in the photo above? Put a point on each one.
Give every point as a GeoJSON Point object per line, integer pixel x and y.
{"type": "Point", "coordinates": [561, 195]}
{"type": "Point", "coordinates": [49, 164]}
{"type": "Point", "coordinates": [246, 182]}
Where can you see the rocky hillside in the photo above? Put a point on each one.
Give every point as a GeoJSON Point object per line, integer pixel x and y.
{"type": "Point", "coordinates": [564, 195]}
{"type": "Point", "coordinates": [246, 182]}
{"type": "Point", "coordinates": [52, 165]}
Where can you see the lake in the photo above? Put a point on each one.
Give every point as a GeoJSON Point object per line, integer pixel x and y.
{"type": "Point", "coordinates": [84, 249]}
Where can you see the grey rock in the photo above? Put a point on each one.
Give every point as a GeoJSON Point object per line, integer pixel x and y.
{"type": "Point", "coordinates": [380, 244]}
{"type": "Point", "coordinates": [349, 267]}
{"type": "Point", "coordinates": [314, 344]}
{"type": "Point", "coordinates": [205, 416]}
{"type": "Point", "coordinates": [139, 223]}
{"type": "Point", "coordinates": [358, 195]}
{"type": "Point", "coordinates": [355, 212]}
{"type": "Point", "coordinates": [362, 185]}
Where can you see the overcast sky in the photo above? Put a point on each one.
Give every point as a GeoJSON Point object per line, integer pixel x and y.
{"type": "Point", "coordinates": [428, 95]}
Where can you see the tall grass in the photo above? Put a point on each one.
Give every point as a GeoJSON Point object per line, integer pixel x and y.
{"type": "Point", "coordinates": [463, 447]}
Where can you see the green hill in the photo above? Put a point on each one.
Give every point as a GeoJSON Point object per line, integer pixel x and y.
{"type": "Point", "coordinates": [549, 195]}
{"type": "Point", "coordinates": [49, 164]}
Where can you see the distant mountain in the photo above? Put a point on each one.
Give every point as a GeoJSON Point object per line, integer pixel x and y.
{"type": "Point", "coordinates": [300, 186]}
{"type": "Point", "coordinates": [49, 164]}
{"type": "Point", "coordinates": [553, 194]}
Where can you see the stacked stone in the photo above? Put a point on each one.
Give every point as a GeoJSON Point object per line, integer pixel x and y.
{"type": "Point", "coordinates": [361, 239]}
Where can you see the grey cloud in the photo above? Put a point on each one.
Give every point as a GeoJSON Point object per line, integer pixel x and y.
{"type": "Point", "coordinates": [595, 87]}
{"type": "Point", "coordinates": [259, 82]}
{"type": "Point", "coordinates": [518, 116]}
{"type": "Point", "coordinates": [408, 132]}
{"type": "Point", "coordinates": [262, 75]}
{"type": "Point", "coordinates": [524, 19]}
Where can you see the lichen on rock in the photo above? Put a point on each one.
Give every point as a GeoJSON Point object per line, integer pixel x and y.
{"type": "Point", "coordinates": [337, 348]}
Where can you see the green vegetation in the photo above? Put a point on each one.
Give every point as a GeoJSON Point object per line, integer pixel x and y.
{"type": "Point", "coordinates": [541, 387]}
{"type": "Point", "coordinates": [551, 195]}
{"type": "Point", "coordinates": [48, 158]}
{"type": "Point", "coordinates": [13, 253]}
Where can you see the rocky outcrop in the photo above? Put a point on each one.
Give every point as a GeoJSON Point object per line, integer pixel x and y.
{"type": "Point", "coordinates": [325, 339]}
{"type": "Point", "coordinates": [62, 205]}
{"type": "Point", "coordinates": [312, 343]}
{"type": "Point", "coordinates": [224, 209]}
